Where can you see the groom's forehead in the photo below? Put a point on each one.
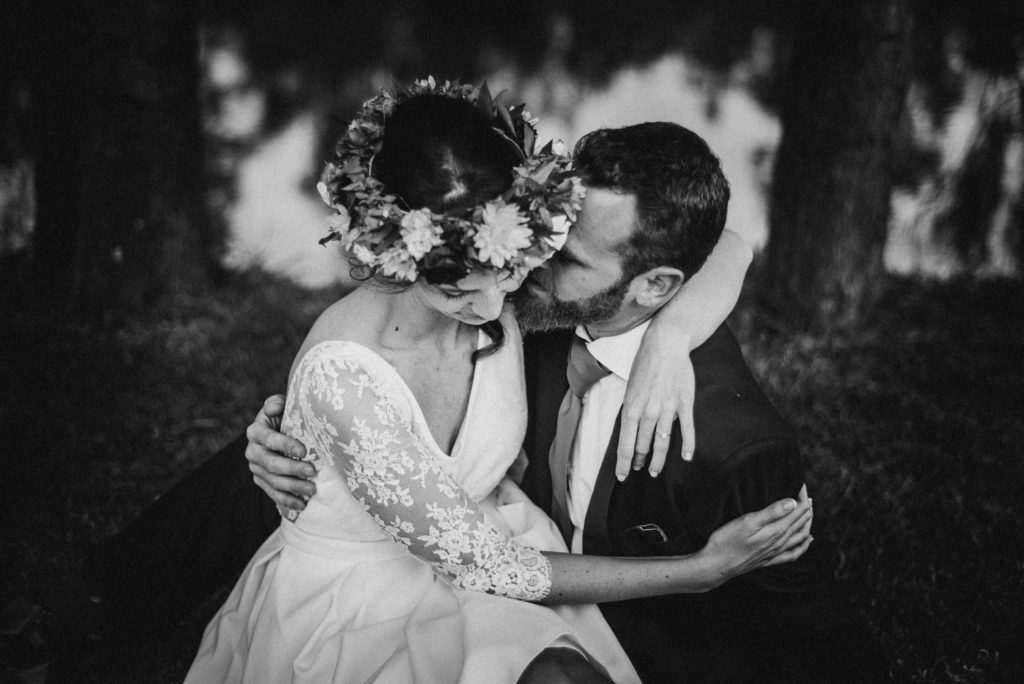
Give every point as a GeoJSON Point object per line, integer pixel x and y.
{"type": "Point", "coordinates": [605, 222]}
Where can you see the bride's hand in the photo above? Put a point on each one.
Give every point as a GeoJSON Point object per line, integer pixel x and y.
{"type": "Point", "coordinates": [661, 388]}
{"type": "Point", "coordinates": [777, 534]}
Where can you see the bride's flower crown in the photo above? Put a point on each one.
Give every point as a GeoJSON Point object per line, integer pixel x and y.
{"type": "Point", "coordinates": [518, 230]}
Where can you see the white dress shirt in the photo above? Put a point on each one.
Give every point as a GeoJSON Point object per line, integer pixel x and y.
{"type": "Point", "coordinates": [601, 405]}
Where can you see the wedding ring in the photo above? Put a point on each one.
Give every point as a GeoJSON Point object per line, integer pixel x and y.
{"type": "Point", "coordinates": [662, 435]}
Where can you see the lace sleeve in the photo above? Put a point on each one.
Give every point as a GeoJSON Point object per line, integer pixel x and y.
{"type": "Point", "coordinates": [366, 433]}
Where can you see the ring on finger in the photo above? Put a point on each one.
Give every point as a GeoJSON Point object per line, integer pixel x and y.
{"type": "Point", "coordinates": [662, 435]}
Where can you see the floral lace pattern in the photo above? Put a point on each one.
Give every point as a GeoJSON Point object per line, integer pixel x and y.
{"type": "Point", "coordinates": [358, 417]}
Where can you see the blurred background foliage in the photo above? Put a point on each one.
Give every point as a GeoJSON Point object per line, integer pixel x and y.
{"type": "Point", "coordinates": [136, 135]}
{"type": "Point", "coordinates": [159, 265]}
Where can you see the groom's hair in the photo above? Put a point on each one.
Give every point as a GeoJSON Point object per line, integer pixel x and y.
{"type": "Point", "coordinates": [681, 193]}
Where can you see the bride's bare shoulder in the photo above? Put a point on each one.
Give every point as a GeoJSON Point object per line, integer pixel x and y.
{"type": "Point", "coordinates": [355, 318]}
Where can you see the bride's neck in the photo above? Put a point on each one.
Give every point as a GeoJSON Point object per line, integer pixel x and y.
{"type": "Point", "coordinates": [410, 321]}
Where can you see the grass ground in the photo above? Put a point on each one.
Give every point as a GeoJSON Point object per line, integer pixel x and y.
{"type": "Point", "coordinates": [912, 428]}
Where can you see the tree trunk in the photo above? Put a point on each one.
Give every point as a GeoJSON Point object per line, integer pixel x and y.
{"type": "Point", "coordinates": [118, 145]}
{"type": "Point", "coordinates": [844, 97]}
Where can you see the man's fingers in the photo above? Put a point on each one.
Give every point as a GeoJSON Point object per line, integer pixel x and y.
{"type": "Point", "coordinates": [283, 483]}
{"type": "Point", "coordinates": [627, 442]}
{"type": "Point", "coordinates": [275, 463]}
{"type": "Point", "coordinates": [270, 439]}
{"type": "Point", "coordinates": [282, 499]}
{"type": "Point", "coordinates": [662, 435]}
{"type": "Point", "coordinates": [273, 406]}
{"type": "Point", "coordinates": [689, 432]}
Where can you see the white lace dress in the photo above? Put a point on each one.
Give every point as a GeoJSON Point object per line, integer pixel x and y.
{"type": "Point", "coordinates": [409, 565]}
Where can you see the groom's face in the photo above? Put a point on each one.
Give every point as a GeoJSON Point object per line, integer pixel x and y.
{"type": "Point", "coordinates": [583, 282]}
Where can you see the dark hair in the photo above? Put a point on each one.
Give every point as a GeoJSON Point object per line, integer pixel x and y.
{"type": "Point", "coordinates": [441, 153]}
{"type": "Point", "coordinates": [681, 193]}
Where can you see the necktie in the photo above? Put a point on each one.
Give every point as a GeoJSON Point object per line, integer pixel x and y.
{"type": "Point", "coordinates": [582, 372]}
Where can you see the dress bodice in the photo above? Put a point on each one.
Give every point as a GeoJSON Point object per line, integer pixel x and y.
{"type": "Point", "coordinates": [381, 475]}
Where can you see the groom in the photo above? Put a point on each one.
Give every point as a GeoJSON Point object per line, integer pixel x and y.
{"type": "Point", "coordinates": [655, 206]}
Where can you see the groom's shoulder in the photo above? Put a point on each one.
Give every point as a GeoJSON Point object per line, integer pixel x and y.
{"type": "Point", "coordinates": [731, 411]}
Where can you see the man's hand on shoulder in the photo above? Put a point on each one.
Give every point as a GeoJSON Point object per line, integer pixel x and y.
{"type": "Point", "coordinates": [275, 459]}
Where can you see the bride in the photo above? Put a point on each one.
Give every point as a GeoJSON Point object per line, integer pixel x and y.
{"type": "Point", "coordinates": [418, 559]}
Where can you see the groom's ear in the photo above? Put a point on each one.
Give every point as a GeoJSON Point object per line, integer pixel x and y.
{"type": "Point", "coordinates": [656, 286]}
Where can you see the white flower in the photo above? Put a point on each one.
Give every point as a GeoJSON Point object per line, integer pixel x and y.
{"type": "Point", "coordinates": [397, 263]}
{"type": "Point", "coordinates": [364, 255]}
{"type": "Point", "coordinates": [561, 226]}
{"type": "Point", "coordinates": [340, 221]}
{"type": "Point", "coordinates": [530, 119]}
{"type": "Point", "coordinates": [558, 147]}
{"type": "Point", "coordinates": [325, 194]}
{"type": "Point", "coordinates": [502, 233]}
{"type": "Point", "coordinates": [420, 233]}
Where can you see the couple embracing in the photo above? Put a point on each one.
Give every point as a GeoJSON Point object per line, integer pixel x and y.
{"type": "Point", "coordinates": [458, 498]}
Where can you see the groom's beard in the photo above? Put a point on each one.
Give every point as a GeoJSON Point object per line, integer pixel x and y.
{"type": "Point", "coordinates": [537, 315]}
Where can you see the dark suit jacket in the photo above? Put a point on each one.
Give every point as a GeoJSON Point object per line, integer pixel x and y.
{"type": "Point", "coordinates": [746, 458]}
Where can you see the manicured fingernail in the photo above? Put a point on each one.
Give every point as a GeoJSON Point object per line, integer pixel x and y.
{"type": "Point", "coordinates": [688, 456]}
{"type": "Point", "coordinates": [638, 466]}
{"type": "Point", "coordinates": [654, 473]}
{"type": "Point", "coordinates": [621, 477]}
{"type": "Point", "coordinates": [789, 505]}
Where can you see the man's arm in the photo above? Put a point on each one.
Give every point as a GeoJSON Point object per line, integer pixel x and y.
{"type": "Point", "coordinates": [275, 459]}
{"type": "Point", "coordinates": [661, 382]}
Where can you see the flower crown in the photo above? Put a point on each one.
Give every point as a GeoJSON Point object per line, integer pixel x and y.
{"type": "Point", "coordinates": [517, 230]}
